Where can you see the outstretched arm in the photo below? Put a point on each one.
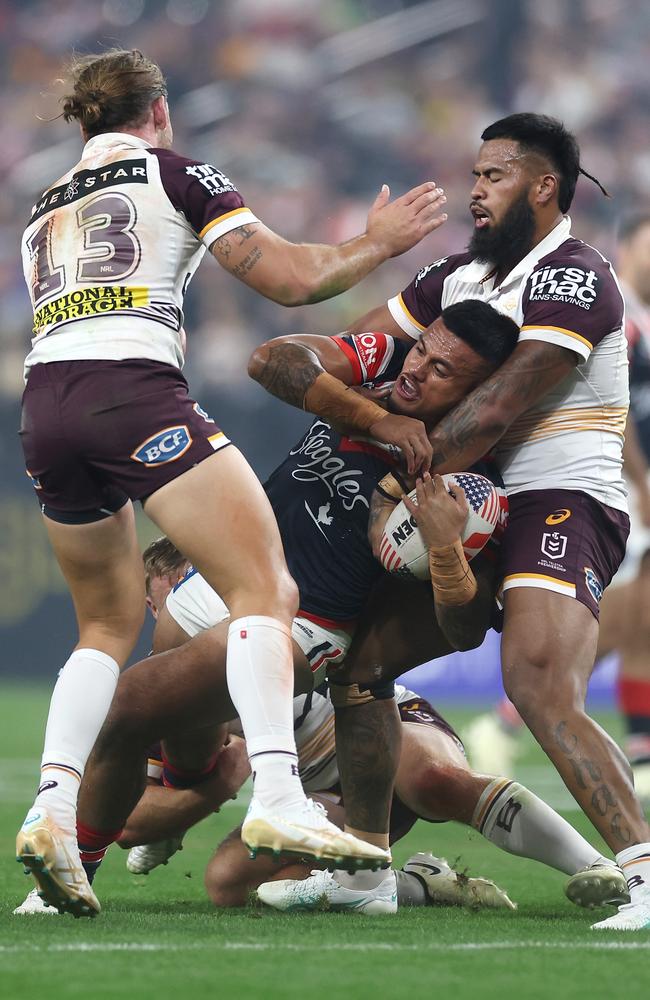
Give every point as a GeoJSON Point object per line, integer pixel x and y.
{"type": "Point", "coordinates": [294, 274]}
{"type": "Point", "coordinates": [468, 431]}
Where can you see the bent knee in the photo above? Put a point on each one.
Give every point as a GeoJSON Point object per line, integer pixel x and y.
{"type": "Point", "coordinates": [439, 792]}
{"type": "Point", "coordinates": [537, 692]}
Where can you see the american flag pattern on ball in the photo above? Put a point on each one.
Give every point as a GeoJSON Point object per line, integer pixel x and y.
{"type": "Point", "coordinates": [402, 549]}
{"type": "Point", "coordinates": [483, 498]}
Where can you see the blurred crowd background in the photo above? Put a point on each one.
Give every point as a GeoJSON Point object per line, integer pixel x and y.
{"type": "Point", "coordinates": [309, 106]}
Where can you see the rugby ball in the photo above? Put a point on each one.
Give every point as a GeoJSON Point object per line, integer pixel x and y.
{"type": "Point", "coordinates": [403, 550]}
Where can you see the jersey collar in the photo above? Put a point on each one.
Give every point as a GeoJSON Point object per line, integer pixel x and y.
{"type": "Point", "coordinates": [107, 140]}
{"type": "Point", "coordinates": [479, 271]}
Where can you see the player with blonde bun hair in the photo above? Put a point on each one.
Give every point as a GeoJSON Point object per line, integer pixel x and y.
{"type": "Point", "coordinates": [107, 419]}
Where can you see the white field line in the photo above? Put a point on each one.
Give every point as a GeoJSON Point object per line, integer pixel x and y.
{"type": "Point", "coordinates": [370, 946]}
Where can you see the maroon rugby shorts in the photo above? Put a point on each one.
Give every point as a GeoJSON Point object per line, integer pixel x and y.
{"type": "Point", "coordinates": [98, 433]}
{"type": "Point", "coordinates": [424, 714]}
{"type": "Point", "coordinates": [564, 541]}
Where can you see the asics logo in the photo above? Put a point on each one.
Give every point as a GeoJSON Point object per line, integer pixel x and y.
{"type": "Point", "coordinates": [558, 516]}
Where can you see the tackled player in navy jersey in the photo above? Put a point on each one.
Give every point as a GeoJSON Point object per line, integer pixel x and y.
{"type": "Point", "coordinates": [335, 481]}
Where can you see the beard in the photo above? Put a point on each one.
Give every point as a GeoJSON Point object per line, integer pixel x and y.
{"type": "Point", "coordinates": [510, 240]}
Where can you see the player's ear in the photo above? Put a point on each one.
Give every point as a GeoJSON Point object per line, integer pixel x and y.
{"type": "Point", "coordinates": [160, 112]}
{"type": "Point", "coordinates": [546, 189]}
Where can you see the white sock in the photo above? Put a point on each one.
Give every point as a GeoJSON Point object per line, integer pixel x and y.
{"type": "Point", "coordinates": [360, 880]}
{"type": "Point", "coordinates": [259, 670]}
{"type": "Point", "coordinates": [518, 822]}
{"type": "Point", "coordinates": [635, 863]}
{"type": "Point", "coordinates": [80, 702]}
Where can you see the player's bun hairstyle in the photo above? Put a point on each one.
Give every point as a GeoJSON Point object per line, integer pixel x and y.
{"type": "Point", "coordinates": [161, 558]}
{"type": "Point", "coordinates": [548, 137]}
{"type": "Point", "coordinates": [491, 334]}
{"type": "Point", "coordinates": [112, 90]}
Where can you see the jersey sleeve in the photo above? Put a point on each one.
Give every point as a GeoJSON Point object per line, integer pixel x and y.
{"type": "Point", "coordinates": [421, 302]}
{"type": "Point", "coordinates": [571, 304]}
{"type": "Point", "coordinates": [374, 356]}
{"type": "Point", "coordinates": [207, 198]}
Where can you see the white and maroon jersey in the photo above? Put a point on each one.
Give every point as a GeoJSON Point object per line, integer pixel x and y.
{"type": "Point", "coordinates": [111, 247]}
{"type": "Point", "coordinates": [313, 725]}
{"type": "Point", "coordinates": [637, 331]}
{"type": "Point", "coordinates": [563, 292]}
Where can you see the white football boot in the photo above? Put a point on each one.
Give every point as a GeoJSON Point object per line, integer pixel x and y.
{"type": "Point", "coordinates": [306, 832]}
{"type": "Point", "coordinates": [51, 856]}
{"type": "Point", "coordinates": [321, 891]}
{"type": "Point", "coordinates": [143, 859]}
{"type": "Point", "coordinates": [490, 748]}
{"type": "Point", "coordinates": [633, 916]}
{"type": "Point", "coordinates": [600, 884]}
{"type": "Point", "coordinates": [34, 904]}
{"type": "Point", "coordinates": [446, 887]}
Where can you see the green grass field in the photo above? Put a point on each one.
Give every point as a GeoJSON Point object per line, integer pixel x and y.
{"type": "Point", "coordinates": [158, 937]}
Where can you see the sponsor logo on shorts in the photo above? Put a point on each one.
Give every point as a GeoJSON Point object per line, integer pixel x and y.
{"type": "Point", "coordinates": [35, 481]}
{"type": "Point", "coordinates": [165, 446]}
{"type": "Point", "coordinates": [201, 412]}
{"type": "Point", "coordinates": [89, 302]}
{"type": "Point", "coordinates": [594, 585]}
{"type": "Point", "coordinates": [572, 285]}
{"type": "Point", "coordinates": [303, 628]}
{"type": "Point", "coordinates": [558, 516]}
{"type": "Point", "coordinates": [553, 545]}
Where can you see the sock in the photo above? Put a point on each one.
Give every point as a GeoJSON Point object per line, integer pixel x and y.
{"type": "Point", "coordinates": [80, 702]}
{"type": "Point", "coordinates": [93, 845]}
{"type": "Point", "coordinates": [411, 890]}
{"type": "Point", "coordinates": [635, 863]}
{"type": "Point", "coordinates": [259, 670]}
{"type": "Point", "coordinates": [509, 718]}
{"type": "Point", "coordinates": [510, 816]}
{"type": "Point", "coordinates": [360, 880]}
{"type": "Point", "coordinates": [181, 777]}
{"type": "Point", "coordinates": [634, 702]}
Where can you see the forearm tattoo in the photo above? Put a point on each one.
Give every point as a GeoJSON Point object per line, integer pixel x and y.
{"type": "Point", "coordinates": [368, 742]}
{"type": "Point", "coordinates": [289, 371]}
{"type": "Point", "coordinates": [469, 430]}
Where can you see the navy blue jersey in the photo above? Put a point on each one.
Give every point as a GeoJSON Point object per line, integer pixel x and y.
{"type": "Point", "coordinates": [321, 496]}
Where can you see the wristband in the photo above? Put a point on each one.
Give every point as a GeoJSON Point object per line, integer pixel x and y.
{"type": "Point", "coordinates": [391, 487]}
{"type": "Point", "coordinates": [451, 577]}
{"type": "Point", "coordinates": [330, 398]}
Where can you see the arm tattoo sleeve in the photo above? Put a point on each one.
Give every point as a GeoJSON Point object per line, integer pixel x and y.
{"type": "Point", "coordinates": [290, 370]}
{"type": "Point", "coordinates": [477, 423]}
